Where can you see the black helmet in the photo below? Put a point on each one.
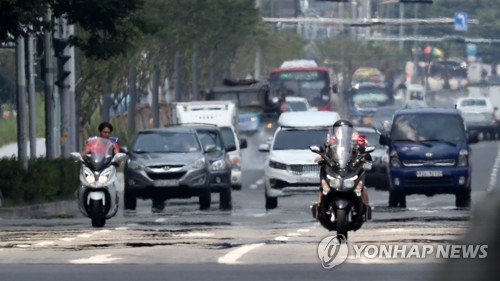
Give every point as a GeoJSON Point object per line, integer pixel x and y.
{"type": "Point", "coordinates": [342, 122]}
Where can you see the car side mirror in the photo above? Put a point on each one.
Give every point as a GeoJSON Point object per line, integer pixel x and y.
{"type": "Point", "coordinates": [210, 147]}
{"type": "Point", "coordinates": [231, 147]}
{"type": "Point", "coordinates": [264, 147]}
{"type": "Point", "coordinates": [243, 143]}
{"type": "Point", "coordinates": [384, 139]}
{"type": "Point", "coordinates": [472, 137]}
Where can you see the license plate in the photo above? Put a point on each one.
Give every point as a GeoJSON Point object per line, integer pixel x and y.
{"type": "Point", "coordinates": [429, 174]}
{"type": "Point", "coordinates": [166, 183]}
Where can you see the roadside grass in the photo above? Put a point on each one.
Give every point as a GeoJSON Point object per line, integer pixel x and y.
{"type": "Point", "coordinates": [8, 127]}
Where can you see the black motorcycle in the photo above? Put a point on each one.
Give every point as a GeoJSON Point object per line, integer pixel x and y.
{"type": "Point", "coordinates": [343, 164]}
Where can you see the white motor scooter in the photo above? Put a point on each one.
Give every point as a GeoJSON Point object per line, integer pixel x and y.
{"type": "Point", "coordinates": [97, 194]}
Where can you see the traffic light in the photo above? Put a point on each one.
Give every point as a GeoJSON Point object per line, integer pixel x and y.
{"type": "Point", "coordinates": [60, 52]}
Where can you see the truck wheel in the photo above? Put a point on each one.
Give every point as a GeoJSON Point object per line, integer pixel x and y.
{"type": "Point", "coordinates": [271, 202]}
{"type": "Point", "coordinates": [462, 199]}
{"type": "Point", "coordinates": [236, 187]}
{"type": "Point", "coordinates": [205, 199]}
{"type": "Point", "coordinates": [129, 200]}
{"type": "Point", "coordinates": [158, 204]}
{"type": "Point", "coordinates": [397, 199]}
{"type": "Point", "coordinates": [225, 199]}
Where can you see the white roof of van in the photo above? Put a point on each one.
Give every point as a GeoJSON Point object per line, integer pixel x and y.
{"type": "Point", "coordinates": [308, 119]}
{"type": "Point", "coordinates": [298, 63]}
{"type": "Point", "coordinates": [219, 113]}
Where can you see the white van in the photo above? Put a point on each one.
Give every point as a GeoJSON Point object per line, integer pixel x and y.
{"type": "Point", "coordinates": [224, 114]}
{"type": "Point", "coordinates": [290, 166]}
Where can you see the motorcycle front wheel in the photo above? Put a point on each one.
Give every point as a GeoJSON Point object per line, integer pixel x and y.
{"type": "Point", "coordinates": [341, 215]}
{"type": "Point", "coordinates": [97, 213]}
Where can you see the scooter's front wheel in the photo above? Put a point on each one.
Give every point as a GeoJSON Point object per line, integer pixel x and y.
{"type": "Point", "coordinates": [341, 215]}
{"type": "Point", "coordinates": [97, 213]}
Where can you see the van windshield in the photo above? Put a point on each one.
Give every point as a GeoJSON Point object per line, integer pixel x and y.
{"type": "Point", "coordinates": [428, 127]}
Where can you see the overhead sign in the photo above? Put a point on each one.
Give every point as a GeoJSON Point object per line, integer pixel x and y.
{"type": "Point", "coordinates": [461, 21]}
{"type": "Point", "coordinates": [471, 50]}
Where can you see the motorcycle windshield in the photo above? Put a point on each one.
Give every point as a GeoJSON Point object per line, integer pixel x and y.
{"type": "Point", "coordinates": [341, 148]}
{"type": "Point", "coordinates": [99, 153]}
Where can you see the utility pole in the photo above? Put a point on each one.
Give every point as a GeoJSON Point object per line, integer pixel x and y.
{"type": "Point", "coordinates": [132, 98]}
{"type": "Point", "coordinates": [49, 91]}
{"type": "Point", "coordinates": [31, 95]}
{"type": "Point", "coordinates": [22, 145]}
{"type": "Point", "coordinates": [155, 93]}
{"type": "Point", "coordinates": [177, 75]}
{"type": "Point", "coordinates": [401, 26]}
{"type": "Point", "coordinates": [194, 66]}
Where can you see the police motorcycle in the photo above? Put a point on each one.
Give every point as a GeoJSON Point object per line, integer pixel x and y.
{"type": "Point", "coordinates": [97, 193]}
{"type": "Point", "coordinates": [343, 201]}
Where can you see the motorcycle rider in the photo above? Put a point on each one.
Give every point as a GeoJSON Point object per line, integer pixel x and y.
{"type": "Point", "coordinates": [105, 130]}
{"type": "Point", "coordinates": [359, 143]}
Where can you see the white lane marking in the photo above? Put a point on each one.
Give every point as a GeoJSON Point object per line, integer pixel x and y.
{"type": "Point", "coordinates": [494, 171]}
{"type": "Point", "coordinates": [293, 234]}
{"type": "Point", "coordinates": [84, 235]}
{"type": "Point", "coordinates": [303, 230]}
{"type": "Point", "coordinates": [252, 186]}
{"type": "Point", "coordinates": [281, 238]}
{"type": "Point", "coordinates": [96, 259]}
{"type": "Point", "coordinates": [161, 220]}
{"type": "Point", "coordinates": [393, 230]}
{"type": "Point", "coordinates": [122, 228]}
{"type": "Point", "coordinates": [23, 245]}
{"type": "Point", "coordinates": [67, 239]}
{"type": "Point", "coordinates": [194, 234]}
{"type": "Point", "coordinates": [233, 256]}
{"type": "Point", "coordinates": [260, 182]}
{"type": "Point", "coordinates": [45, 243]}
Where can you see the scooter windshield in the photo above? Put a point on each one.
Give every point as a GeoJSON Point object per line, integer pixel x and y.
{"type": "Point", "coordinates": [99, 153]}
{"type": "Point", "coordinates": [341, 148]}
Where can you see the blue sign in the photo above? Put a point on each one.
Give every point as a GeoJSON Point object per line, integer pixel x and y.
{"type": "Point", "coordinates": [461, 21]}
{"type": "Point", "coordinates": [471, 50]}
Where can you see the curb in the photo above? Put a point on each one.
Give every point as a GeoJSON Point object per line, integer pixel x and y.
{"type": "Point", "coordinates": [46, 210]}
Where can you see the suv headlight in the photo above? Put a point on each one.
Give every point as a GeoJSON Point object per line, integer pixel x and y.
{"type": "Point", "coordinates": [198, 164]}
{"type": "Point", "coordinates": [277, 165]}
{"type": "Point", "coordinates": [463, 157]}
{"type": "Point", "coordinates": [134, 165]}
{"type": "Point", "coordinates": [218, 165]}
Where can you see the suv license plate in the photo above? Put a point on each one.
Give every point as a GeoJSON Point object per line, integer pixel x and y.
{"type": "Point", "coordinates": [429, 174]}
{"type": "Point", "coordinates": [161, 183]}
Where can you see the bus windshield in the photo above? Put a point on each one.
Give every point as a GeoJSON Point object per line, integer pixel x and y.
{"type": "Point", "coordinates": [312, 84]}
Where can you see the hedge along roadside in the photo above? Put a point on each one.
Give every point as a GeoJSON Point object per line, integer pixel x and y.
{"type": "Point", "coordinates": [44, 181]}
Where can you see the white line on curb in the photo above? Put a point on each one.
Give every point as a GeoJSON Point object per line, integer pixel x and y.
{"type": "Point", "coordinates": [233, 256]}
{"type": "Point", "coordinates": [494, 171]}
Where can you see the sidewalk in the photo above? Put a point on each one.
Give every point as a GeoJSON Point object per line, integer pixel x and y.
{"type": "Point", "coordinates": [10, 149]}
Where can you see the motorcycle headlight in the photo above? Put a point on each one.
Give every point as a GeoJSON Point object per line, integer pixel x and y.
{"type": "Point", "coordinates": [463, 157]}
{"type": "Point", "coordinates": [350, 182]}
{"type": "Point", "coordinates": [277, 165]}
{"type": "Point", "coordinates": [198, 164]}
{"type": "Point", "coordinates": [134, 165]}
{"type": "Point", "coordinates": [104, 177]}
{"type": "Point", "coordinates": [218, 165]}
{"type": "Point", "coordinates": [333, 182]}
{"type": "Point", "coordinates": [88, 176]}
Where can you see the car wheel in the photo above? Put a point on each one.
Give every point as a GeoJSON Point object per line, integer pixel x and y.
{"type": "Point", "coordinates": [271, 202]}
{"type": "Point", "coordinates": [205, 199]}
{"type": "Point", "coordinates": [462, 199]}
{"type": "Point", "coordinates": [236, 187]}
{"type": "Point", "coordinates": [225, 199]}
{"type": "Point", "coordinates": [129, 199]}
{"type": "Point", "coordinates": [397, 199]}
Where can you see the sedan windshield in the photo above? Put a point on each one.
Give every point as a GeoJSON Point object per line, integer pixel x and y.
{"type": "Point", "coordinates": [299, 139]}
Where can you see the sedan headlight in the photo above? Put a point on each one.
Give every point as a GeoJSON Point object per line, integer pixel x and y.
{"type": "Point", "coordinates": [134, 165]}
{"type": "Point", "coordinates": [218, 165]}
{"type": "Point", "coordinates": [277, 165]}
{"type": "Point", "coordinates": [350, 182]}
{"type": "Point", "coordinates": [463, 157]}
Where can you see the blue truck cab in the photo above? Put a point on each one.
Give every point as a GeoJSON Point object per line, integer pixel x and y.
{"type": "Point", "coordinates": [429, 154]}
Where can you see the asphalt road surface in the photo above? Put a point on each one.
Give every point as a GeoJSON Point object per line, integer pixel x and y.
{"type": "Point", "coordinates": [247, 243]}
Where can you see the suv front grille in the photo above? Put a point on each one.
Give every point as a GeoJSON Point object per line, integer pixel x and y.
{"type": "Point", "coordinates": [303, 169]}
{"type": "Point", "coordinates": [437, 162]}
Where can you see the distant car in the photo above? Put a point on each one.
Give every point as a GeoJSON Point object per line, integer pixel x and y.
{"type": "Point", "coordinates": [290, 165]}
{"type": "Point", "coordinates": [475, 104]}
{"type": "Point", "coordinates": [382, 118]}
{"type": "Point", "coordinates": [179, 161]}
{"type": "Point", "coordinates": [296, 104]}
{"type": "Point", "coordinates": [376, 176]}
{"type": "Point", "coordinates": [478, 115]}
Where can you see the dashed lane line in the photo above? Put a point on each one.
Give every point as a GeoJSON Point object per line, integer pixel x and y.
{"type": "Point", "coordinates": [233, 256]}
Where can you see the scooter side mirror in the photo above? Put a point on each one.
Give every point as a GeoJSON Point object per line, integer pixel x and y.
{"type": "Point", "coordinates": [76, 156]}
{"type": "Point", "coordinates": [119, 157]}
{"type": "Point", "coordinates": [369, 149]}
{"type": "Point", "coordinates": [315, 149]}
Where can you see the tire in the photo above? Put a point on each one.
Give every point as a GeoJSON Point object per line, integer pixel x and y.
{"type": "Point", "coordinates": [236, 187]}
{"type": "Point", "coordinates": [462, 199]}
{"type": "Point", "coordinates": [96, 212]}
{"type": "Point", "coordinates": [341, 217]}
{"type": "Point", "coordinates": [397, 199]}
{"type": "Point", "coordinates": [205, 199]}
{"type": "Point", "coordinates": [158, 204]}
{"type": "Point", "coordinates": [225, 199]}
{"type": "Point", "coordinates": [129, 200]}
{"type": "Point", "coordinates": [271, 202]}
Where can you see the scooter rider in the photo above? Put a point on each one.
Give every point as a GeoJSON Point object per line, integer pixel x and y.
{"type": "Point", "coordinates": [359, 143]}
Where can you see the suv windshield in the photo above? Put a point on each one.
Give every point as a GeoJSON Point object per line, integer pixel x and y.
{"type": "Point", "coordinates": [166, 142]}
{"type": "Point", "coordinates": [299, 139]}
{"type": "Point", "coordinates": [428, 127]}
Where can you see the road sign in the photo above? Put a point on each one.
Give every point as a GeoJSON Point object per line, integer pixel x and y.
{"type": "Point", "coordinates": [471, 50]}
{"type": "Point", "coordinates": [461, 21]}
